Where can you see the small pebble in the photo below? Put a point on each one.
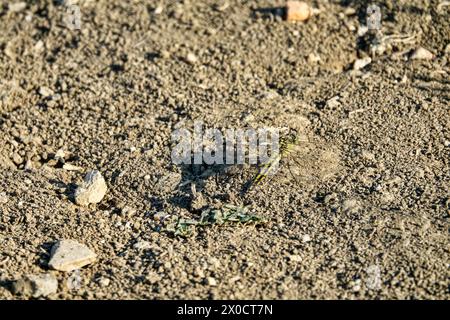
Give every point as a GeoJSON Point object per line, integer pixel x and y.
{"type": "Point", "coordinates": [158, 10]}
{"type": "Point", "coordinates": [306, 238]}
{"type": "Point", "coordinates": [3, 198]}
{"type": "Point", "coordinates": [313, 58]}
{"type": "Point", "coordinates": [361, 63]}
{"type": "Point", "coordinates": [350, 11]}
{"type": "Point", "coordinates": [45, 92]}
{"type": "Point", "coordinates": [298, 11]}
{"type": "Point", "coordinates": [142, 245]}
{"type": "Point", "coordinates": [356, 285]}
{"type": "Point", "coordinates": [92, 190]}
{"type": "Point", "coordinates": [421, 54]}
{"type": "Point", "coordinates": [60, 154]}
{"type": "Point", "coordinates": [17, 159]}
{"type": "Point", "coordinates": [69, 255]}
{"type": "Point", "coordinates": [210, 281]}
{"type": "Point", "coordinates": [350, 206]}
{"type": "Point", "coordinates": [333, 103]}
{"type": "Point", "coordinates": [29, 166]}
{"type": "Point", "coordinates": [447, 48]}
{"type": "Point", "coordinates": [191, 58]}
{"type": "Point", "coordinates": [39, 46]}
{"type": "Point", "coordinates": [295, 258]}
{"type": "Point", "coordinates": [71, 167]}
{"type": "Point", "coordinates": [103, 282]}
{"type": "Point", "coordinates": [17, 7]}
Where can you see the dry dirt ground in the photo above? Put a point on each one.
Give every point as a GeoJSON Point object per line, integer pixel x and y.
{"type": "Point", "coordinates": [370, 219]}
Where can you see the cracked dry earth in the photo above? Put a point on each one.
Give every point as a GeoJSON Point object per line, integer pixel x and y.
{"type": "Point", "coordinates": [368, 218]}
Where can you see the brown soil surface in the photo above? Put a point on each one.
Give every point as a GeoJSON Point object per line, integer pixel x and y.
{"type": "Point", "coordinates": [373, 192]}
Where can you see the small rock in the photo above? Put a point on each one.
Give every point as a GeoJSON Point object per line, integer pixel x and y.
{"type": "Point", "coordinates": [333, 103]}
{"type": "Point", "coordinates": [164, 54]}
{"type": "Point", "coordinates": [158, 10]}
{"type": "Point", "coordinates": [142, 245]}
{"type": "Point", "coordinates": [3, 198]}
{"type": "Point", "coordinates": [17, 7]}
{"type": "Point", "coordinates": [298, 11]}
{"type": "Point", "coordinates": [92, 190]}
{"type": "Point", "coordinates": [306, 238]}
{"type": "Point", "coordinates": [421, 54]}
{"type": "Point", "coordinates": [222, 6]}
{"type": "Point", "coordinates": [17, 159]}
{"type": "Point", "coordinates": [295, 258]}
{"type": "Point", "coordinates": [71, 167]}
{"type": "Point", "coordinates": [29, 166]}
{"type": "Point", "coordinates": [362, 30]}
{"type": "Point", "coordinates": [210, 281]}
{"type": "Point", "coordinates": [191, 58]}
{"type": "Point", "coordinates": [350, 206]}
{"type": "Point", "coordinates": [361, 63]}
{"type": "Point", "coordinates": [267, 94]}
{"type": "Point", "coordinates": [128, 211]}
{"type": "Point", "coordinates": [356, 285]}
{"type": "Point", "coordinates": [199, 272]}
{"type": "Point", "coordinates": [69, 255]}
{"type": "Point", "coordinates": [40, 285]}
{"type": "Point", "coordinates": [45, 92]}
{"type": "Point", "coordinates": [10, 50]}
{"type": "Point", "coordinates": [60, 154]}
{"type": "Point", "coordinates": [313, 58]}
{"type": "Point", "coordinates": [447, 48]}
{"type": "Point", "coordinates": [350, 11]}
{"type": "Point", "coordinates": [103, 282]}
{"type": "Point", "coordinates": [39, 46]}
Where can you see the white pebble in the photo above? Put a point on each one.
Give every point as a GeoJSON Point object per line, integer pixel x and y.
{"type": "Point", "coordinates": [69, 255]}
{"type": "Point", "coordinates": [421, 54]}
{"type": "Point", "coordinates": [211, 282]}
{"type": "Point", "coordinates": [361, 63]}
{"type": "Point", "coordinates": [306, 238]}
{"type": "Point", "coordinates": [3, 198]}
{"type": "Point", "coordinates": [92, 190]}
{"type": "Point", "coordinates": [17, 7]}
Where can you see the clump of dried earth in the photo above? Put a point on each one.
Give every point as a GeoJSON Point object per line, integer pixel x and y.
{"type": "Point", "coordinates": [369, 220]}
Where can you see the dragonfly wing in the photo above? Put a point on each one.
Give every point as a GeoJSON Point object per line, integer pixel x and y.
{"type": "Point", "coordinates": [311, 163]}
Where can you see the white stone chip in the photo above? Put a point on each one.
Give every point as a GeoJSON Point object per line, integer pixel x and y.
{"type": "Point", "coordinates": [69, 255]}
{"type": "Point", "coordinates": [92, 190]}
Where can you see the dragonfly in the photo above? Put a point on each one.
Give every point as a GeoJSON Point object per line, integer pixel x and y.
{"type": "Point", "coordinates": [304, 159]}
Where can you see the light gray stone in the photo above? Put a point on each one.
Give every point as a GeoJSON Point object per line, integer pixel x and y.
{"type": "Point", "coordinates": [421, 54]}
{"type": "Point", "coordinates": [17, 7]}
{"type": "Point", "coordinates": [69, 255]}
{"type": "Point", "coordinates": [361, 63]}
{"type": "Point", "coordinates": [92, 190]}
{"type": "Point", "coordinates": [3, 198]}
